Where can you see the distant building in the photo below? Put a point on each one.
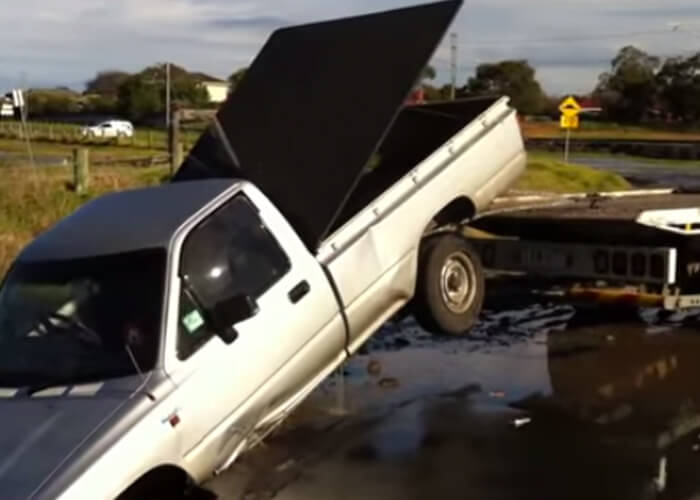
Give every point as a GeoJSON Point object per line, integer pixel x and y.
{"type": "Point", "coordinates": [217, 90]}
{"type": "Point", "coordinates": [7, 109]}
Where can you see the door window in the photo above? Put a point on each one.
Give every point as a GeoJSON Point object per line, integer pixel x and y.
{"type": "Point", "coordinates": [231, 253]}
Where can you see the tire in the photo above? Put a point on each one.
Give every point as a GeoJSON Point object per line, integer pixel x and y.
{"type": "Point", "coordinates": [450, 285]}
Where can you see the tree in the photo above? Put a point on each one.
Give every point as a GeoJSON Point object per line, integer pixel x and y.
{"type": "Point", "coordinates": [52, 102]}
{"type": "Point", "coordinates": [437, 93]}
{"type": "Point", "coordinates": [678, 84]}
{"type": "Point", "coordinates": [428, 73]}
{"type": "Point", "coordinates": [143, 94]}
{"type": "Point", "coordinates": [106, 83]}
{"type": "Point", "coordinates": [628, 91]}
{"type": "Point", "coordinates": [236, 78]}
{"type": "Point", "coordinates": [140, 98]}
{"type": "Point", "coordinates": [515, 79]}
{"type": "Point", "coordinates": [100, 104]}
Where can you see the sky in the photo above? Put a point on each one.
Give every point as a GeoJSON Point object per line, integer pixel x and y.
{"type": "Point", "coordinates": [569, 42]}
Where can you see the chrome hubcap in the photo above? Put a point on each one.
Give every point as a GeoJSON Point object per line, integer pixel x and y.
{"type": "Point", "coordinates": [456, 283]}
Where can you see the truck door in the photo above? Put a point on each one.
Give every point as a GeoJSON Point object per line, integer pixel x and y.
{"type": "Point", "coordinates": [246, 247]}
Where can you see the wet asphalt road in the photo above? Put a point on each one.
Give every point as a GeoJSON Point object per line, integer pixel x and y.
{"type": "Point", "coordinates": [643, 174]}
{"type": "Point", "coordinates": [540, 401]}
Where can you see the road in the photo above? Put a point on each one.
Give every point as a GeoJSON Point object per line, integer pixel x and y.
{"type": "Point", "coordinates": [643, 174]}
{"type": "Point", "coordinates": [540, 401]}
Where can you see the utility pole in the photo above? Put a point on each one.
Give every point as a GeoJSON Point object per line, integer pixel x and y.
{"type": "Point", "coordinates": [167, 96]}
{"type": "Point", "coordinates": [453, 65]}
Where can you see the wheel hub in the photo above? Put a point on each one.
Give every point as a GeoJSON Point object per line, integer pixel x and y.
{"type": "Point", "coordinates": [456, 281]}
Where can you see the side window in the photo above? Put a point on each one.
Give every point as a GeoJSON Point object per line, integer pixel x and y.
{"type": "Point", "coordinates": [231, 253]}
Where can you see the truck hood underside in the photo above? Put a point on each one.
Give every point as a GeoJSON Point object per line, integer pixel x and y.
{"type": "Point", "coordinates": [314, 106]}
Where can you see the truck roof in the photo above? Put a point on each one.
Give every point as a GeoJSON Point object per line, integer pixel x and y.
{"type": "Point", "coordinates": [125, 221]}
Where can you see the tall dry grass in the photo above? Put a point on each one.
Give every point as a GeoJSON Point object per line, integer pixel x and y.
{"type": "Point", "coordinates": [32, 200]}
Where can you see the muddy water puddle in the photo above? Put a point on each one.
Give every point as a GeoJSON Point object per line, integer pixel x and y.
{"type": "Point", "coordinates": [540, 401]}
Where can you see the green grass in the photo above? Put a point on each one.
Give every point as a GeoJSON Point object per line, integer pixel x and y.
{"type": "Point", "coordinates": [97, 151]}
{"type": "Point", "coordinates": [641, 160]}
{"type": "Point", "coordinates": [65, 133]}
{"type": "Point", "coordinates": [545, 174]}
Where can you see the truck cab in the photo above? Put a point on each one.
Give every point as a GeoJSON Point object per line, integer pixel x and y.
{"type": "Point", "coordinates": [164, 299]}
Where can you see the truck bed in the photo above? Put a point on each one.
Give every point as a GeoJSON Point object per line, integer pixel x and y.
{"type": "Point", "coordinates": [424, 142]}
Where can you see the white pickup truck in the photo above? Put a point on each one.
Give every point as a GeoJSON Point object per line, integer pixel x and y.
{"type": "Point", "coordinates": [147, 338]}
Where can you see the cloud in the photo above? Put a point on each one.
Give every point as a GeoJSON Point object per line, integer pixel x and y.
{"type": "Point", "coordinates": [569, 43]}
{"type": "Point", "coordinates": [269, 22]}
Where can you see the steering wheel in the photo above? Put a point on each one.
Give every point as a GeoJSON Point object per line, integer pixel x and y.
{"type": "Point", "coordinates": [67, 323]}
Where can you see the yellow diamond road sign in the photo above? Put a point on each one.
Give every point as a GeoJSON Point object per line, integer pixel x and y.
{"type": "Point", "coordinates": [569, 107]}
{"type": "Point", "coordinates": [569, 121]}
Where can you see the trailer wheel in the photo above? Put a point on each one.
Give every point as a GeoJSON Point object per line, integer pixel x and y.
{"type": "Point", "coordinates": [450, 285]}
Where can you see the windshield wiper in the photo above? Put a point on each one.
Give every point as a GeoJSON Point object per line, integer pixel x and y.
{"type": "Point", "coordinates": [68, 323]}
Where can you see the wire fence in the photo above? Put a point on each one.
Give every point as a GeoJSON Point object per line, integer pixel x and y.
{"type": "Point", "coordinates": [63, 133]}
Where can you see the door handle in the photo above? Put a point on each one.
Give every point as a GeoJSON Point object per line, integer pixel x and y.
{"type": "Point", "coordinates": [299, 292]}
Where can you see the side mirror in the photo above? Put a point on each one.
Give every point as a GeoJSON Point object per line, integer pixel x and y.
{"type": "Point", "coordinates": [231, 311]}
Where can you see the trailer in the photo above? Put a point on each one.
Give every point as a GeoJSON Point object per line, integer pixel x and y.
{"type": "Point", "coordinates": [637, 248]}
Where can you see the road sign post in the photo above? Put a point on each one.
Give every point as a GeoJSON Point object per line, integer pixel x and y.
{"type": "Point", "coordinates": [570, 110]}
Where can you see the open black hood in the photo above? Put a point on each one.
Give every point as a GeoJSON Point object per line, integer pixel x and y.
{"type": "Point", "coordinates": [315, 105]}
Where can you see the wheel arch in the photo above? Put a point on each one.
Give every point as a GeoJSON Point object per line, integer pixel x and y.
{"type": "Point", "coordinates": [457, 211]}
{"type": "Point", "coordinates": [152, 482]}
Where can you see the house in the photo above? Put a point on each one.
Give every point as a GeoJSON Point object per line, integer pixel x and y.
{"type": "Point", "coordinates": [217, 89]}
{"type": "Point", "coordinates": [7, 108]}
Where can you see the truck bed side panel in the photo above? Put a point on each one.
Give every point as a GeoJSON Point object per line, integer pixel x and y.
{"type": "Point", "coordinates": [482, 159]}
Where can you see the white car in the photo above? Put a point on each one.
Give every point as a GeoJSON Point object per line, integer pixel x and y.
{"type": "Point", "coordinates": [109, 129]}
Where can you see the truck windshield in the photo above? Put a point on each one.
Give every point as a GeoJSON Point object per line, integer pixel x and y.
{"type": "Point", "coordinates": [84, 320]}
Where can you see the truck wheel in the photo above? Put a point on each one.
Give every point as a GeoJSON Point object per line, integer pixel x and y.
{"type": "Point", "coordinates": [450, 285]}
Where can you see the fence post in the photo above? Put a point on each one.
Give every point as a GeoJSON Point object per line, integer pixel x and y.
{"type": "Point", "coordinates": [81, 170]}
{"type": "Point", "coordinates": [174, 143]}
{"type": "Point", "coordinates": [150, 139]}
{"type": "Point", "coordinates": [179, 155]}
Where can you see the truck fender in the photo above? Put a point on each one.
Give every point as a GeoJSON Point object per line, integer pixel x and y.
{"type": "Point", "coordinates": [165, 481]}
{"type": "Point", "coordinates": [457, 211]}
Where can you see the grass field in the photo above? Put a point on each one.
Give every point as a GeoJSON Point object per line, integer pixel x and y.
{"type": "Point", "coordinates": [612, 131]}
{"type": "Point", "coordinates": [580, 157]}
{"type": "Point", "coordinates": [31, 200]}
{"type": "Point", "coordinates": [99, 152]}
{"type": "Point", "coordinates": [64, 133]}
{"type": "Point", "coordinates": [547, 174]}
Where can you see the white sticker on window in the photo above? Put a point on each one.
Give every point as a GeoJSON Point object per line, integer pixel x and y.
{"type": "Point", "coordinates": [193, 321]}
